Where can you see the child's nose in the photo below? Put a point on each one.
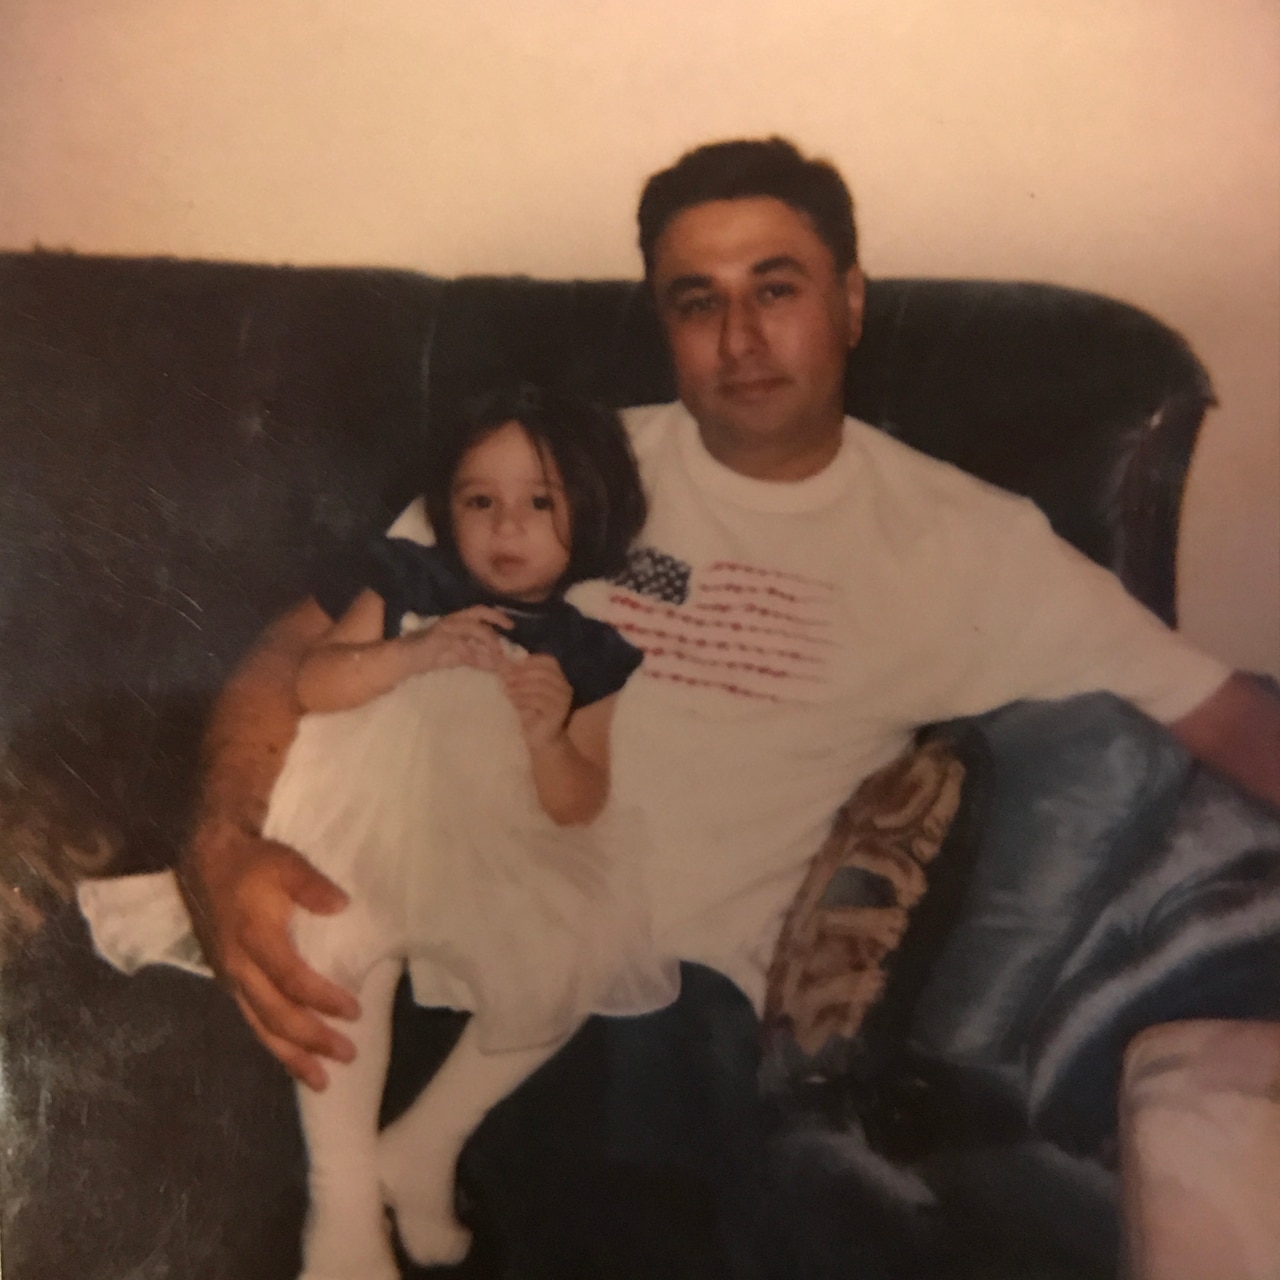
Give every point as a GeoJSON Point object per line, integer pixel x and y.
{"type": "Point", "coordinates": [508, 518]}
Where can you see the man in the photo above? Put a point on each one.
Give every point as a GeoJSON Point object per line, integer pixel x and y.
{"type": "Point", "coordinates": [808, 591]}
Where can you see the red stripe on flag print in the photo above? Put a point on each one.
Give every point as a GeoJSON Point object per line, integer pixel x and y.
{"type": "Point", "coordinates": [745, 630]}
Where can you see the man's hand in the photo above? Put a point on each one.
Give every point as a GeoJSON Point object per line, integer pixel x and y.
{"type": "Point", "coordinates": [1237, 732]}
{"type": "Point", "coordinates": [242, 890]}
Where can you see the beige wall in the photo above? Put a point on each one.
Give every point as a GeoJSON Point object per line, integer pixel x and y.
{"type": "Point", "coordinates": [1130, 146]}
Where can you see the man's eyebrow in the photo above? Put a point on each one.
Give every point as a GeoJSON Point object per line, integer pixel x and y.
{"type": "Point", "coordinates": [779, 262]}
{"type": "Point", "coordinates": [766, 266]}
{"type": "Point", "coordinates": [683, 284]}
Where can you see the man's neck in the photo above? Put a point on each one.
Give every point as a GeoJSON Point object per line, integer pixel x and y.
{"type": "Point", "coordinates": [771, 461]}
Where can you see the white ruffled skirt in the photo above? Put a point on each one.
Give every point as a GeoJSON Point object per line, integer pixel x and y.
{"type": "Point", "coordinates": [421, 805]}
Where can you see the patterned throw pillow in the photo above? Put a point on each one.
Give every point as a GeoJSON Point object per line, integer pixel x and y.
{"type": "Point", "coordinates": [846, 927]}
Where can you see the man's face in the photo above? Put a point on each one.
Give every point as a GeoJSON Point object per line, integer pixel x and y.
{"type": "Point", "coordinates": [760, 323]}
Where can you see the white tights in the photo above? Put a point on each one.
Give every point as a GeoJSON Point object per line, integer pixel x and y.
{"type": "Point", "coordinates": [410, 1166]}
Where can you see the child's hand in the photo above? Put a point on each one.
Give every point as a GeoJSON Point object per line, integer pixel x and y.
{"type": "Point", "coordinates": [463, 639]}
{"type": "Point", "coordinates": [541, 696]}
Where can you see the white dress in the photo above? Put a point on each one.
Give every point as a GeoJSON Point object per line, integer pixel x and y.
{"type": "Point", "coordinates": [421, 805]}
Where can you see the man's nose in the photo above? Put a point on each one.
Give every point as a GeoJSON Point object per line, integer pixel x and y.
{"type": "Point", "coordinates": [740, 331]}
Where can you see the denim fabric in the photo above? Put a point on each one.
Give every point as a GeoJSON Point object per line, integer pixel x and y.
{"type": "Point", "coordinates": [1080, 792]}
{"type": "Point", "coordinates": [1194, 933]}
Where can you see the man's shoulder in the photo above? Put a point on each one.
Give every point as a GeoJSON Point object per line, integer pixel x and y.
{"type": "Point", "coordinates": [906, 470]}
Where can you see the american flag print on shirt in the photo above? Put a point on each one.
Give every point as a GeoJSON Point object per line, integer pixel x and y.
{"type": "Point", "coordinates": [738, 628]}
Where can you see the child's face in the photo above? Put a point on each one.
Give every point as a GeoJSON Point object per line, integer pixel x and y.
{"type": "Point", "coordinates": [510, 517]}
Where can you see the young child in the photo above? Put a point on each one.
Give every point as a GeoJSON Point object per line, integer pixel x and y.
{"type": "Point", "coordinates": [452, 775]}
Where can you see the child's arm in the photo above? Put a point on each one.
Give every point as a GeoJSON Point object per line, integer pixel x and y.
{"type": "Point", "coordinates": [352, 664]}
{"type": "Point", "coordinates": [569, 753]}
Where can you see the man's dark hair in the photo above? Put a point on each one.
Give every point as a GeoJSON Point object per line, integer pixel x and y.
{"type": "Point", "coordinates": [749, 167]}
{"type": "Point", "coordinates": [591, 451]}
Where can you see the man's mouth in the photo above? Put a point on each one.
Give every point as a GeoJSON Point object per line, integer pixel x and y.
{"type": "Point", "coordinates": [752, 388]}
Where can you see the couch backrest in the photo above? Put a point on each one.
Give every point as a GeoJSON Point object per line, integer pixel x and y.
{"type": "Point", "coordinates": [181, 442]}
{"type": "Point", "coordinates": [1084, 404]}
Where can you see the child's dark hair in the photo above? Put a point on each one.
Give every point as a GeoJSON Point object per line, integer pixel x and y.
{"type": "Point", "coordinates": [591, 451]}
{"type": "Point", "coordinates": [747, 167]}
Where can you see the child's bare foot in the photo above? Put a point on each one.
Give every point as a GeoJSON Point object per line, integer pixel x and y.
{"type": "Point", "coordinates": [432, 1241]}
{"type": "Point", "coordinates": [418, 1187]}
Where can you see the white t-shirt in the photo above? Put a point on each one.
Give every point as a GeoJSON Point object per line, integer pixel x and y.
{"type": "Point", "coordinates": [797, 633]}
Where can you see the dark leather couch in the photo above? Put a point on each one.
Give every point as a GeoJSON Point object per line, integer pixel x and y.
{"type": "Point", "coordinates": [182, 443]}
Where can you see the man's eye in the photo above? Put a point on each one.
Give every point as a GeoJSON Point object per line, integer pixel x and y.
{"type": "Point", "coordinates": [694, 305]}
{"type": "Point", "coordinates": [776, 289]}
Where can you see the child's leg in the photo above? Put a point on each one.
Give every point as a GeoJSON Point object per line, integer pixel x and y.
{"type": "Point", "coordinates": [346, 1236]}
{"type": "Point", "coordinates": [418, 1152]}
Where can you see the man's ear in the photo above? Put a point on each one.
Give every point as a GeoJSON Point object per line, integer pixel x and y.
{"type": "Point", "coordinates": [855, 287]}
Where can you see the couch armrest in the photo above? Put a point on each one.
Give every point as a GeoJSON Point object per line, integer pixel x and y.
{"type": "Point", "coordinates": [1200, 1151]}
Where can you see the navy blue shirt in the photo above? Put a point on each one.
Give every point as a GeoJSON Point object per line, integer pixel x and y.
{"type": "Point", "coordinates": [411, 578]}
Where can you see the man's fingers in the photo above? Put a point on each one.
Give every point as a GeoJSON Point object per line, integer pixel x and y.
{"type": "Point", "coordinates": [310, 888]}
{"type": "Point", "coordinates": [304, 986]}
{"type": "Point", "coordinates": [265, 945]}
{"type": "Point", "coordinates": [287, 1021]}
{"type": "Point", "coordinates": [273, 954]}
{"type": "Point", "coordinates": [304, 1067]}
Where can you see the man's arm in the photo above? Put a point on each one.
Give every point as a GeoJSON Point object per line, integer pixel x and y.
{"type": "Point", "coordinates": [242, 889]}
{"type": "Point", "coordinates": [1237, 732]}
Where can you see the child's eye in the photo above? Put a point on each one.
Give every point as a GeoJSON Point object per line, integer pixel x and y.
{"type": "Point", "coordinates": [543, 502]}
{"type": "Point", "coordinates": [478, 502]}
